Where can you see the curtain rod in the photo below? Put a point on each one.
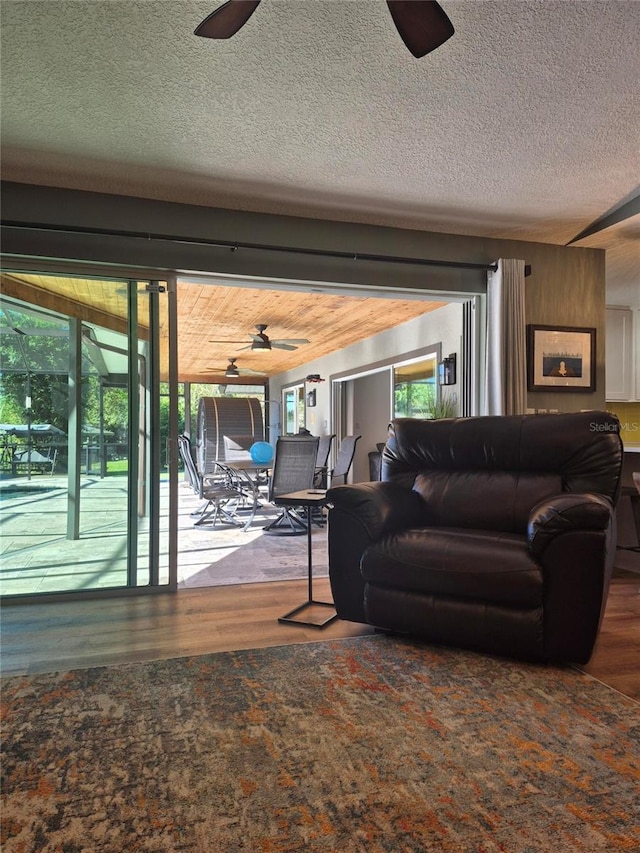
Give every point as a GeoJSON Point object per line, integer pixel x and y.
{"type": "Point", "coordinates": [234, 246]}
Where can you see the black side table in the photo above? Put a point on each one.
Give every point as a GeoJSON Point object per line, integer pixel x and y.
{"type": "Point", "coordinates": [311, 498]}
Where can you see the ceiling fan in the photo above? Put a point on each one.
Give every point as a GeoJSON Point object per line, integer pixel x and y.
{"type": "Point", "coordinates": [422, 24]}
{"type": "Point", "coordinates": [262, 343]}
{"type": "Point", "coordinates": [233, 370]}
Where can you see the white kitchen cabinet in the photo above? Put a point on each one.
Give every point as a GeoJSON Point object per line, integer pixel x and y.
{"type": "Point", "coordinates": [620, 355]}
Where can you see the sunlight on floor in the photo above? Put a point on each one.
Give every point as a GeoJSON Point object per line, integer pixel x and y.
{"type": "Point", "coordinates": [213, 556]}
{"type": "Point", "coordinates": [38, 557]}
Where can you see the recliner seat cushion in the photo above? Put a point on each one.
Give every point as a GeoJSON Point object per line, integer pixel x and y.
{"type": "Point", "coordinates": [459, 563]}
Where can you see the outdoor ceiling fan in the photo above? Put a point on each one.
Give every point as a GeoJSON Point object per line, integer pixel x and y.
{"type": "Point", "coordinates": [233, 370]}
{"type": "Point", "coordinates": [422, 24]}
{"type": "Point", "coordinates": [262, 343]}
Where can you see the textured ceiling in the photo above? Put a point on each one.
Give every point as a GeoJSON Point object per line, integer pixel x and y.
{"type": "Point", "coordinates": [525, 124]}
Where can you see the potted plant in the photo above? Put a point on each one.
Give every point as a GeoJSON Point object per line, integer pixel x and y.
{"type": "Point", "coordinates": [444, 406]}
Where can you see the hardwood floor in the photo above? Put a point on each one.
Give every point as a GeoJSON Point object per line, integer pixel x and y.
{"type": "Point", "coordinates": [70, 635]}
{"type": "Point", "coordinates": [616, 659]}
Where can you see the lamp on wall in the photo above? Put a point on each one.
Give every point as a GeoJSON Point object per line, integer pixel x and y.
{"type": "Point", "coordinates": [311, 395]}
{"type": "Point", "coordinates": [447, 370]}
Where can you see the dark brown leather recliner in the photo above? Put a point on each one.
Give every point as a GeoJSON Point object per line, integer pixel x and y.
{"type": "Point", "coordinates": [492, 533]}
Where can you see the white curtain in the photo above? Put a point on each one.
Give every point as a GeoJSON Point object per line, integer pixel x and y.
{"type": "Point", "coordinates": [506, 340]}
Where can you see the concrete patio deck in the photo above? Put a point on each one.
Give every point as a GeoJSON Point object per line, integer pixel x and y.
{"type": "Point", "coordinates": [36, 556]}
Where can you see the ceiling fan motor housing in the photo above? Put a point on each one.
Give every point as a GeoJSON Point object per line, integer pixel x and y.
{"type": "Point", "coordinates": [261, 343]}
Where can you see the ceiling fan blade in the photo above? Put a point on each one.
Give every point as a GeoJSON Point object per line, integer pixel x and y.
{"type": "Point", "coordinates": [226, 20]}
{"type": "Point", "coordinates": [296, 341]}
{"type": "Point", "coordinates": [422, 24]}
{"type": "Point", "coordinates": [223, 371]}
{"type": "Point", "coordinates": [281, 345]}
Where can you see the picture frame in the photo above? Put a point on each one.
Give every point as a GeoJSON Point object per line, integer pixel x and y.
{"type": "Point", "coordinates": [561, 358]}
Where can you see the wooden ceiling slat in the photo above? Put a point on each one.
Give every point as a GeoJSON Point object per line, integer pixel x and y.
{"type": "Point", "coordinates": [62, 301]}
{"type": "Point", "coordinates": [219, 312]}
{"type": "Point", "coordinates": [328, 321]}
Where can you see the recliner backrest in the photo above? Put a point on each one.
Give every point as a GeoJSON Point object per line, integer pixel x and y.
{"type": "Point", "coordinates": [483, 500]}
{"type": "Point", "coordinates": [488, 472]}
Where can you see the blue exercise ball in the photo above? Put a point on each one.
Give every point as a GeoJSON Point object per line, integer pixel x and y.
{"type": "Point", "coordinates": [261, 452]}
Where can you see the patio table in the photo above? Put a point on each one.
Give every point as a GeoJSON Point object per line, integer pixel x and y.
{"type": "Point", "coordinates": [248, 473]}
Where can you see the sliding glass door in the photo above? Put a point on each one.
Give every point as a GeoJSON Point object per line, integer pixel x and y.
{"type": "Point", "coordinates": [84, 480]}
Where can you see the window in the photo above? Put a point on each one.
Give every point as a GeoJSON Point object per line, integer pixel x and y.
{"type": "Point", "coordinates": [415, 388]}
{"type": "Point", "coordinates": [293, 409]}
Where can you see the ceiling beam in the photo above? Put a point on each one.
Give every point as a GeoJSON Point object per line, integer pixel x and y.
{"type": "Point", "coordinates": [625, 211]}
{"type": "Point", "coordinates": [236, 245]}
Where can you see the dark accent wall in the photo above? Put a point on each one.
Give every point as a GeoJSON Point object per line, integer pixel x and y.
{"type": "Point", "coordinates": [566, 287]}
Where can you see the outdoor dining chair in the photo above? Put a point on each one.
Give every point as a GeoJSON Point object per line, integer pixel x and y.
{"type": "Point", "coordinates": [293, 471]}
{"type": "Point", "coordinates": [322, 461]}
{"type": "Point", "coordinates": [220, 496]}
{"type": "Point", "coordinates": [345, 459]}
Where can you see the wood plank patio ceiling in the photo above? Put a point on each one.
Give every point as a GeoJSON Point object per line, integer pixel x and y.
{"type": "Point", "coordinates": [208, 312]}
{"type": "Point", "coordinates": [329, 322]}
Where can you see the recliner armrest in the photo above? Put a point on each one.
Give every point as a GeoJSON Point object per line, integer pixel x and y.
{"type": "Point", "coordinates": [564, 513]}
{"type": "Point", "coordinates": [380, 507]}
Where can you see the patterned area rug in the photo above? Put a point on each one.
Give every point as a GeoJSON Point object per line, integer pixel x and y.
{"type": "Point", "coordinates": [368, 744]}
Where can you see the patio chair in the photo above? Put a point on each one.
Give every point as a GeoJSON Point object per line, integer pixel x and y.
{"type": "Point", "coordinates": [220, 496]}
{"type": "Point", "coordinates": [322, 460]}
{"type": "Point", "coordinates": [375, 462]}
{"type": "Point", "coordinates": [345, 459]}
{"type": "Point", "coordinates": [293, 471]}
{"type": "Point", "coordinates": [186, 454]}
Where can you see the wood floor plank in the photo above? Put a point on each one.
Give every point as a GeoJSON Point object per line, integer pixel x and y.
{"type": "Point", "coordinates": [616, 658]}
{"type": "Point", "coordinates": [53, 636]}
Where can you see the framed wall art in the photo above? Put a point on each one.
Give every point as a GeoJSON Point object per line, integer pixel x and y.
{"type": "Point", "coordinates": [561, 358]}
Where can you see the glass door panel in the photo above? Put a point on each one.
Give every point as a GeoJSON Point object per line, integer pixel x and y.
{"type": "Point", "coordinates": [293, 410]}
{"type": "Point", "coordinates": [415, 389]}
{"type": "Point", "coordinates": [80, 479]}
